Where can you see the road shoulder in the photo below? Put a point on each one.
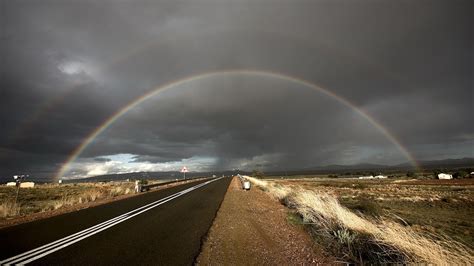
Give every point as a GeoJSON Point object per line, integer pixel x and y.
{"type": "Point", "coordinates": [252, 229]}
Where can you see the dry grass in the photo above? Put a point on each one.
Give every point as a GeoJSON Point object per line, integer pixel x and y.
{"type": "Point", "coordinates": [88, 196]}
{"type": "Point", "coordinates": [329, 217]}
{"type": "Point", "coordinates": [9, 208]}
{"type": "Point", "coordinates": [52, 197]}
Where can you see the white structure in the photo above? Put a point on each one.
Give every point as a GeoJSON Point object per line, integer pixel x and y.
{"type": "Point", "coordinates": [138, 186]}
{"type": "Point", "coordinates": [27, 184]}
{"type": "Point", "coordinates": [60, 181]}
{"type": "Point", "coordinates": [366, 177]}
{"type": "Point", "coordinates": [380, 176]}
{"type": "Point", "coordinates": [246, 185]}
{"type": "Point", "coordinates": [11, 184]}
{"type": "Point", "coordinates": [445, 176]}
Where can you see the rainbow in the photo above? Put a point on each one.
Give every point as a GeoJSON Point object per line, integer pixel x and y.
{"type": "Point", "coordinates": [256, 73]}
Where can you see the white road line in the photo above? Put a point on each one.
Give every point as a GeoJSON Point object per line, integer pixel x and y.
{"type": "Point", "coordinates": [78, 234]}
{"type": "Point", "coordinates": [44, 250]}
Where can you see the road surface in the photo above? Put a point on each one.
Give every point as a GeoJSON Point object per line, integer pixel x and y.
{"type": "Point", "coordinates": [157, 228]}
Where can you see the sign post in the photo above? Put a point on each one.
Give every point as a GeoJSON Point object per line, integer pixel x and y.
{"type": "Point", "coordinates": [184, 170]}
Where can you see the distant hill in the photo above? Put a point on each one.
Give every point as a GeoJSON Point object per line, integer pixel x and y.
{"type": "Point", "coordinates": [447, 163]}
{"type": "Point", "coordinates": [363, 166]}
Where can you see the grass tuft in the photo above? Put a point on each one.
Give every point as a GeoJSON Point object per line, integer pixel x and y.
{"type": "Point", "coordinates": [8, 209]}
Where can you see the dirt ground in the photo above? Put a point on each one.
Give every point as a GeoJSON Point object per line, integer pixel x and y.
{"type": "Point", "coordinates": [253, 229]}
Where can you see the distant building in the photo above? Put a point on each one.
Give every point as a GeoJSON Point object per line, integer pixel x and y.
{"type": "Point", "coordinates": [27, 184]}
{"type": "Point", "coordinates": [380, 176]}
{"type": "Point", "coordinates": [366, 177]}
{"type": "Point", "coordinates": [445, 176]}
{"type": "Point", "coordinates": [11, 184]}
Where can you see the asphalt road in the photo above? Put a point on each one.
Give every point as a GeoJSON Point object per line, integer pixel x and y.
{"type": "Point", "coordinates": [165, 227]}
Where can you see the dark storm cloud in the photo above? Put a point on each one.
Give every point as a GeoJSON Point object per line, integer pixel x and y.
{"type": "Point", "coordinates": [67, 66]}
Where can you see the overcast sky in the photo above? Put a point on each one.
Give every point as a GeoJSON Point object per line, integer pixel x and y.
{"type": "Point", "coordinates": [66, 66]}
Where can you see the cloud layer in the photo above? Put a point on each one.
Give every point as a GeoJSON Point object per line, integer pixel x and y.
{"type": "Point", "coordinates": [67, 67]}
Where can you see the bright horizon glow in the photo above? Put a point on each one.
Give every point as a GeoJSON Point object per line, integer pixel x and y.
{"type": "Point", "coordinates": [124, 163]}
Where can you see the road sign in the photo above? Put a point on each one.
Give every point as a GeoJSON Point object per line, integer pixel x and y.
{"type": "Point", "coordinates": [184, 170]}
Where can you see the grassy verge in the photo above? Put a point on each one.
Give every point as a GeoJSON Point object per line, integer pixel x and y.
{"type": "Point", "coordinates": [354, 237]}
{"type": "Point", "coordinates": [43, 198]}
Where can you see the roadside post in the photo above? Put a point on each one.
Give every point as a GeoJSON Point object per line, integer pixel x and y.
{"type": "Point", "coordinates": [18, 179]}
{"type": "Point", "coordinates": [138, 186]}
{"type": "Point", "coordinates": [184, 170]}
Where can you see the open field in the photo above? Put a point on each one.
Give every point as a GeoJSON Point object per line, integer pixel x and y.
{"type": "Point", "coordinates": [368, 221]}
{"type": "Point", "coordinates": [440, 206]}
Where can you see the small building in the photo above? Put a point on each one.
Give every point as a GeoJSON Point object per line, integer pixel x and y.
{"type": "Point", "coordinates": [445, 176]}
{"type": "Point", "coordinates": [380, 176]}
{"type": "Point", "coordinates": [27, 184]}
{"type": "Point", "coordinates": [11, 184]}
{"type": "Point", "coordinates": [366, 177]}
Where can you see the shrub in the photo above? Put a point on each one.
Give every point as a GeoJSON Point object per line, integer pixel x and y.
{"type": "Point", "coordinates": [368, 207]}
{"type": "Point", "coordinates": [359, 186]}
{"type": "Point", "coordinates": [460, 174]}
{"type": "Point", "coordinates": [411, 174]}
{"type": "Point", "coordinates": [294, 218]}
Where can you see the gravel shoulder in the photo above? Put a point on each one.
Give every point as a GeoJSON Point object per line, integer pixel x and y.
{"type": "Point", "coordinates": [252, 229]}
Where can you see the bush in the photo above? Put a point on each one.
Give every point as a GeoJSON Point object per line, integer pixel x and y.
{"type": "Point", "coordinates": [411, 174]}
{"type": "Point", "coordinates": [359, 186]}
{"type": "Point", "coordinates": [257, 173]}
{"type": "Point", "coordinates": [294, 218]}
{"type": "Point", "coordinates": [368, 207]}
{"type": "Point", "coordinates": [460, 174]}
